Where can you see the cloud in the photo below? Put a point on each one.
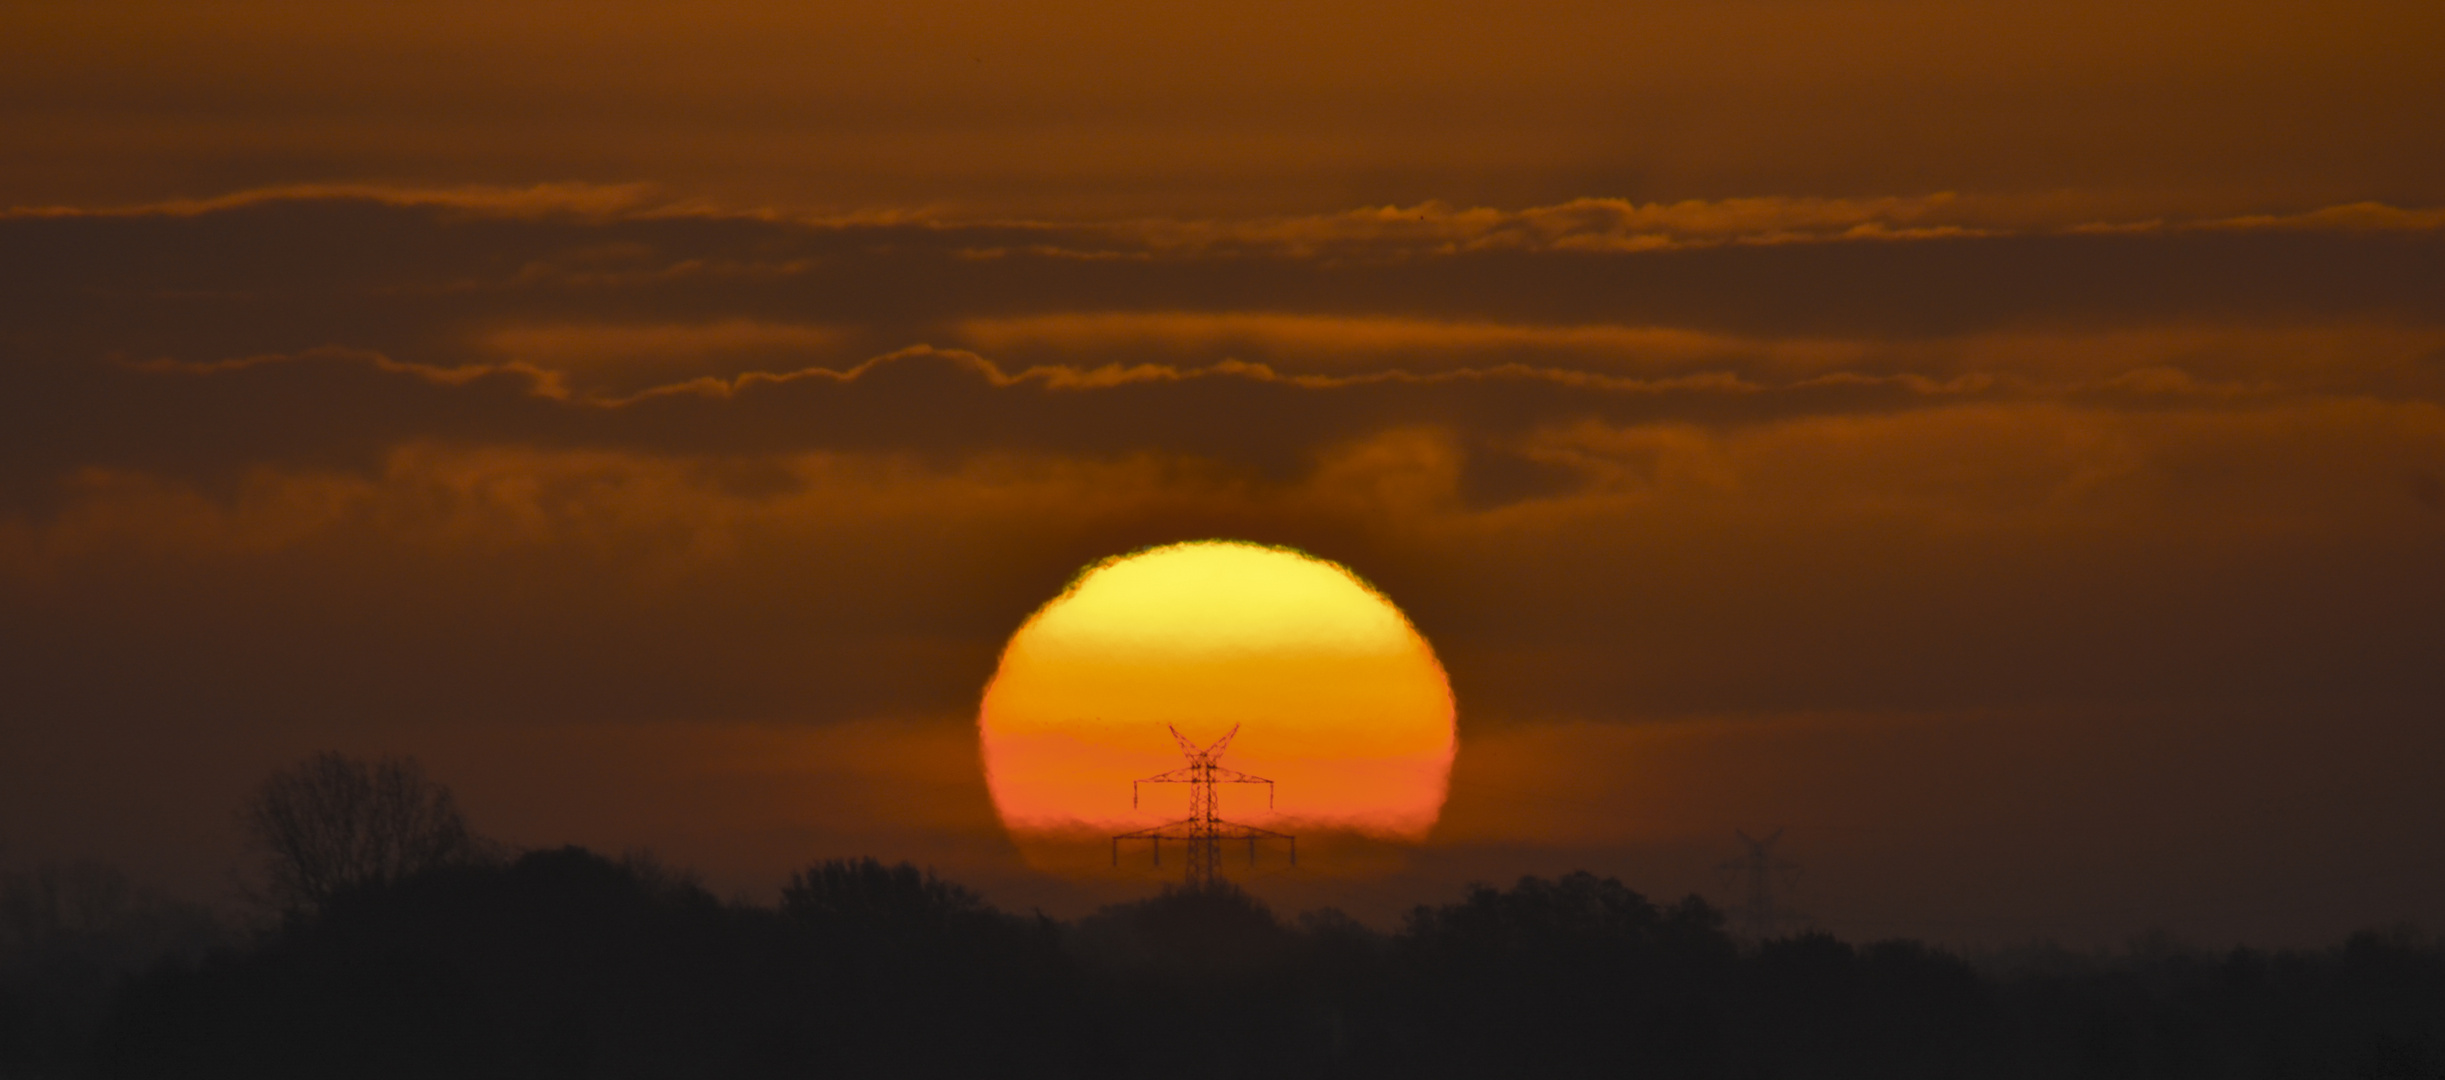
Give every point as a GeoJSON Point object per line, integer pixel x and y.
{"type": "Point", "coordinates": [1345, 340]}
{"type": "Point", "coordinates": [422, 283]}
{"type": "Point", "coordinates": [2043, 514]}
{"type": "Point", "coordinates": [212, 417]}
{"type": "Point", "coordinates": [1586, 224]}
{"type": "Point", "coordinates": [2350, 217]}
{"type": "Point", "coordinates": [584, 343]}
{"type": "Point", "coordinates": [612, 358]}
{"type": "Point", "coordinates": [213, 423]}
{"type": "Point", "coordinates": [1074, 109]}
{"type": "Point", "coordinates": [1432, 227]}
{"type": "Point", "coordinates": [586, 200]}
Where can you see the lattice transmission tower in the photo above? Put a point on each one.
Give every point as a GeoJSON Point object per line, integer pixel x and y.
{"type": "Point", "coordinates": [1204, 829]}
{"type": "Point", "coordinates": [1758, 915]}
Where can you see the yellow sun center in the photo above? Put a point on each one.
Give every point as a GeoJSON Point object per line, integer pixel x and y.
{"type": "Point", "coordinates": [1336, 697]}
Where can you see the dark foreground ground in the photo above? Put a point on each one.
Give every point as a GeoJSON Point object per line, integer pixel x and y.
{"type": "Point", "coordinates": [567, 964]}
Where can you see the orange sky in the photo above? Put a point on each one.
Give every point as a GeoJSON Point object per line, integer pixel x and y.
{"type": "Point", "coordinates": [1082, 107]}
{"type": "Point", "coordinates": [2003, 443]}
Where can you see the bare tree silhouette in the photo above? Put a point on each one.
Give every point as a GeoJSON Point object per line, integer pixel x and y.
{"type": "Point", "coordinates": [332, 823]}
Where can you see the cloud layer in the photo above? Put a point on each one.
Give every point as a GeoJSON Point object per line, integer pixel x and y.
{"type": "Point", "coordinates": [1943, 485]}
{"type": "Point", "coordinates": [1075, 108]}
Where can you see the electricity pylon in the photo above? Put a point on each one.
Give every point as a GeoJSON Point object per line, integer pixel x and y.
{"type": "Point", "coordinates": [1758, 916]}
{"type": "Point", "coordinates": [1204, 828]}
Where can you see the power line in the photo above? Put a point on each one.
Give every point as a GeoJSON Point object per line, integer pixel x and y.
{"type": "Point", "coordinates": [1204, 828]}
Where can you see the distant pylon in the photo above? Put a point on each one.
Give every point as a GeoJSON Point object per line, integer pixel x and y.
{"type": "Point", "coordinates": [1204, 829]}
{"type": "Point", "coordinates": [1758, 916]}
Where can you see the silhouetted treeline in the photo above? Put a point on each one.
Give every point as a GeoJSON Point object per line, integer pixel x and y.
{"type": "Point", "coordinates": [70, 935]}
{"type": "Point", "coordinates": [568, 964]}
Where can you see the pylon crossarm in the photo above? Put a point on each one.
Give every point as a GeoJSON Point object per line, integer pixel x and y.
{"type": "Point", "coordinates": [1232, 830]}
{"type": "Point", "coordinates": [1176, 776]}
{"type": "Point", "coordinates": [1234, 776]}
{"type": "Point", "coordinates": [1170, 830]}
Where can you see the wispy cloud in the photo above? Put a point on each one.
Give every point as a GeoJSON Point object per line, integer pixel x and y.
{"type": "Point", "coordinates": [1375, 339]}
{"type": "Point", "coordinates": [573, 198]}
{"type": "Point", "coordinates": [1589, 224]}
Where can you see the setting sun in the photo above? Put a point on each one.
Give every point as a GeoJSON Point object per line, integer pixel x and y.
{"type": "Point", "coordinates": [1338, 699]}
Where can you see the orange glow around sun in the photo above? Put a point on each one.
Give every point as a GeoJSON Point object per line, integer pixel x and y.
{"type": "Point", "coordinates": [1337, 698]}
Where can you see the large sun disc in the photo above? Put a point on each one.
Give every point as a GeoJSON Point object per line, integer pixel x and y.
{"type": "Point", "coordinates": [1338, 699]}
